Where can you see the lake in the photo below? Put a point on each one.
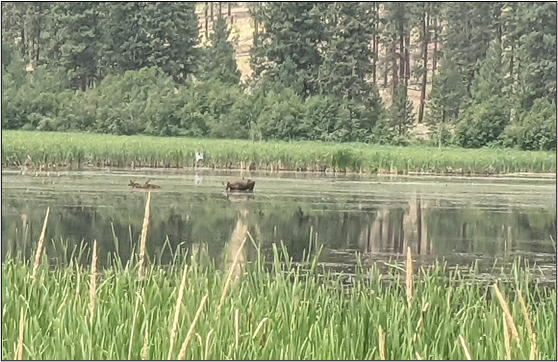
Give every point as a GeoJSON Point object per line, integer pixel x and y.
{"type": "Point", "coordinates": [490, 221]}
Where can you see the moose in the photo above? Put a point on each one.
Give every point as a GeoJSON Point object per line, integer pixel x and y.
{"type": "Point", "coordinates": [240, 185]}
{"type": "Point", "coordinates": [146, 185]}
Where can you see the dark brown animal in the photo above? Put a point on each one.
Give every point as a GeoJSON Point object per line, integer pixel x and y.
{"type": "Point", "coordinates": [147, 185]}
{"type": "Point", "coordinates": [240, 185]}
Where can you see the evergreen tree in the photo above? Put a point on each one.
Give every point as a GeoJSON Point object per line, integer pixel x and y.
{"type": "Point", "coordinates": [25, 23]}
{"type": "Point", "coordinates": [401, 114]}
{"type": "Point", "coordinates": [287, 51]}
{"type": "Point", "coordinates": [220, 63]}
{"type": "Point", "coordinates": [469, 30]}
{"type": "Point", "coordinates": [348, 56]}
{"type": "Point", "coordinates": [536, 52]}
{"type": "Point", "coordinates": [8, 53]}
{"type": "Point", "coordinates": [124, 37]}
{"type": "Point", "coordinates": [491, 80]}
{"type": "Point", "coordinates": [77, 26]}
{"type": "Point", "coordinates": [448, 92]}
{"type": "Point", "coordinates": [173, 33]}
{"type": "Point", "coordinates": [398, 18]}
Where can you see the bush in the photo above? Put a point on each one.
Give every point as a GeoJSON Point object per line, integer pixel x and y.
{"type": "Point", "coordinates": [32, 100]}
{"type": "Point", "coordinates": [535, 130]}
{"type": "Point", "coordinates": [482, 124]}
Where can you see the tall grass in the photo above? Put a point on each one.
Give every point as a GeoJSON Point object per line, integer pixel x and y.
{"type": "Point", "coordinates": [272, 312]}
{"type": "Point", "coordinates": [80, 149]}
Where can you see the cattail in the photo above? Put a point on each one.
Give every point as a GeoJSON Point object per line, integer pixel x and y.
{"type": "Point", "coordinates": [467, 354]}
{"type": "Point", "coordinates": [509, 318]}
{"type": "Point", "coordinates": [40, 246]}
{"type": "Point", "coordinates": [382, 343]}
{"type": "Point", "coordinates": [177, 311]}
{"type": "Point", "coordinates": [19, 349]}
{"type": "Point", "coordinates": [145, 349]}
{"type": "Point", "coordinates": [143, 240]}
{"type": "Point", "coordinates": [133, 328]}
{"type": "Point", "coordinates": [93, 284]}
{"type": "Point", "coordinates": [229, 276]}
{"type": "Point", "coordinates": [206, 356]}
{"type": "Point", "coordinates": [236, 329]}
{"type": "Point", "coordinates": [260, 325]}
{"type": "Point", "coordinates": [409, 279]}
{"type": "Point", "coordinates": [182, 353]}
{"type": "Point", "coordinates": [532, 337]}
{"type": "Point", "coordinates": [506, 337]}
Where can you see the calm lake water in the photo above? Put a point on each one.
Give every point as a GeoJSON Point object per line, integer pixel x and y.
{"type": "Point", "coordinates": [490, 221]}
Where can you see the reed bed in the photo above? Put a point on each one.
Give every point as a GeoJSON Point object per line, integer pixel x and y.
{"type": "Point", "coordinates": [73, 150]}
{"type": "Point", "coordinates": [274, 310]}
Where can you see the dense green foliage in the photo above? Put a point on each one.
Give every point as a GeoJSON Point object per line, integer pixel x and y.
{"type": "Point", "coordinates": [274, 310]}
{"type": "Point", "coordinates": [76, 149]}
{"type": "Point", "coordinates": [138, 68]}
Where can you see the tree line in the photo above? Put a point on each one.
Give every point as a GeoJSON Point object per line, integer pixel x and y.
{"type": "Point", "coordinates": [485, 72]}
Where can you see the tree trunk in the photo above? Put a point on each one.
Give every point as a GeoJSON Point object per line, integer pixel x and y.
{"type": "Point", "coordinates": [386, 67]}
{"type": "Point", "coordinates": [206, 22]}
{"type": "Point", "coordinates": [229, 9]}
{"type": "Point", "coordinates": [23, 48]}
{"type": "Point", "coordinates": [407, 59]}
{"type": "Point", "coordinates": [401, 54]}
{"type": "Point", "coordinates": [220, 9]}
{"type": "Point", "coordinates": [425, 20]}
{"type": "Point", "coordinates": [435, 54]}
{"type": "Point", "coordinates": [395, 80]}
{"type": "Point", "coordinates": [256, 31]}
{"type": "Point", "coordinates": [375, 42]}
{"type": "Point", "coordinates": [211, 10]}
{"type": "Point", "coordinates": [38, 45]}
{"type": "Point", "coordinates": [511, 61]}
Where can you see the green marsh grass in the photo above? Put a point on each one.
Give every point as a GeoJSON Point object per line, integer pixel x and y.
{"type": "Point", "coordinates": [272, 311]}
{"type": "Point", "coordinates": [82, 149]}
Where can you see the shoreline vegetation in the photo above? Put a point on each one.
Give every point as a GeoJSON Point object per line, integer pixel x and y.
{"type": "Point", "coordinates": [57, 150]}
{"type": "Point", "coordinates": [265, 309]}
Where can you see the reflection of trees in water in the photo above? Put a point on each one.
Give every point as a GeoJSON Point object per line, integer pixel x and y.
{"type": "Point", "coordinates": [432, 226]}
{"type": "Point", "coordinates": [447, 229]}
{"type": "Point", "coordinates": [395, 228]}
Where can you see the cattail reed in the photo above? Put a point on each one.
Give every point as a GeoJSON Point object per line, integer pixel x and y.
{"type": "Point", "coordinates": [409, 277]}
{"type": "Point", "coordinates": [506, 337]}
{"type": "Point", "coordinates": [145, 348]}
{"type": "Point", "coordinates": [40, 245]}
{"type": "Point", "coordinates": [177, 311]}
{"type": "Point", "coordinates": [229, 276]}
{"type": "Point", "coordinates": [93, 283]}
{"type": "Point", "coordinates": [381, 343]}
{"type": "Point", "coordinates": [143, 240]}
{"type": "Point", "coordinates": [19, 349]}
{"type": "Point", "coordinates": [509, 318]}
{"type": "Point", "coordinates": [532, 337]}
{"type": "Point", "coordinates": [465, 349]}
{"type": "Point", "coordinates": [182, 352]}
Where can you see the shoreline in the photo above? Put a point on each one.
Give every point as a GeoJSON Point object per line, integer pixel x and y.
{"type": "Point", "coordinates": [55, 151]}
{"type": "Point", "coordinates": [547, 175]}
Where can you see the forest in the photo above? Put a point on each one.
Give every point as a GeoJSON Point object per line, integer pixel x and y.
{"type": "Point", "coordinates": [324, 71]}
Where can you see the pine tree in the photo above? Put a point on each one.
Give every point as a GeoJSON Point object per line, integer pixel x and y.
{"type": "Point", "coordinates": [348, 55]}
{"type": "Point", "coordinates": [220, 63]}
{"type": "Point", "coordinates": [173, 30]}
{"type": "Point", "coordinates": [536, 52]}
{"type": "Point", "coordinates": [401, 111]}
{"type": "Point", "coordinates": [491, 81]}
{"type": "Point", "coordinates": [8, 53]}
{"type": "Point", "coordinates": [398, 18]}
{"type": "Point", "coordinates": [77, 25]}
{"type": "Point", "coordinates": [124, 37]}
{"type": "Point", "coordinates": [425, 12]}
{"type": "Point", "coordinates": [447, 95]}
{"type": "Point", "coordinates": [470, 28]}
{"type": "Point", "coordinates": [25, 23]}
{"type": "Point", "coordinates": [287, 50]}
